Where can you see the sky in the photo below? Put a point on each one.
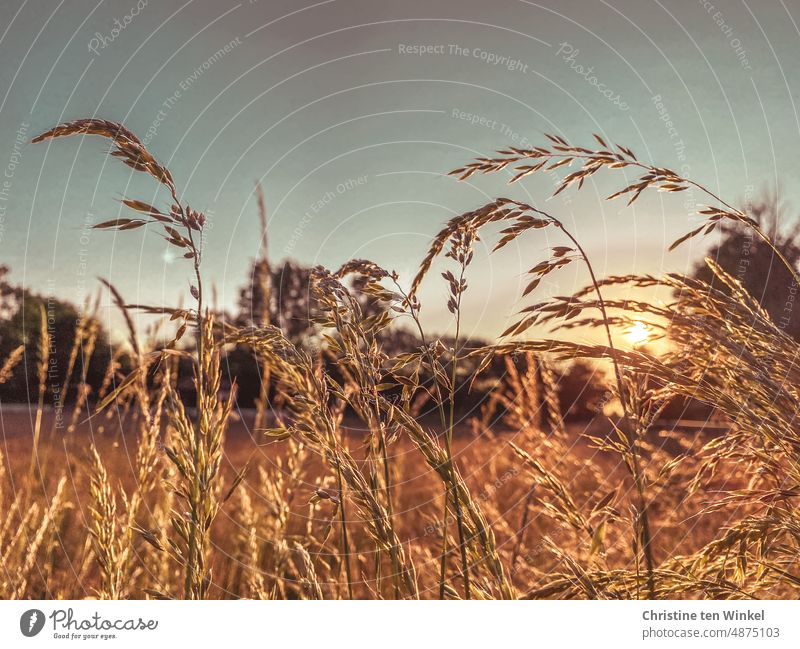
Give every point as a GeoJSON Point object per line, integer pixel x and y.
{"type": "Point", "coordinates": [351, 113]}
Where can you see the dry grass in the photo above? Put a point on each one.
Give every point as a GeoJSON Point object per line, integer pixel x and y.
{"type": "Point", "coordinates": [185, 504]}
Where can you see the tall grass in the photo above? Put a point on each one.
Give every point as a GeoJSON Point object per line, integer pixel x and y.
{"type": "Point", "coordinates": [532, 508]}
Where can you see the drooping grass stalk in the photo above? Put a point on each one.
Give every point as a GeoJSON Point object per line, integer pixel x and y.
{"type": "Point", "coordinates": [524, 217]}
{"type": "Point", "coordinates": [461, 252]}
{"type": "Point", "coordinates": [314, 421]}
{"type": "Point", "coordinates": [560, 153]}
{"type": "Point", "coordinates": [413, 310]}
{"type": "Point", "coordinates": [192, 562]}
{"type": "Point", "coordinates": [361, 361]}
{"type": "Point", "coordinates": [630, 430]}
{"type": "Point", "coordinates": [207, 429]}
{"type": "Point", "coordinates": [449, 438]}
{"type": "Point", "coordinates": [662, 178]}
{"type": "Point", "coordinates": [643, 515]}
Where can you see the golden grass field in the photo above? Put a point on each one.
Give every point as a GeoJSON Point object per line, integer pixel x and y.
{"type": "Point", "coordinates": [338, 488]}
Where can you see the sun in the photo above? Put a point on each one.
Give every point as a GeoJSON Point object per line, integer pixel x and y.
{"type": "Point", "coordinates": [639, 332]}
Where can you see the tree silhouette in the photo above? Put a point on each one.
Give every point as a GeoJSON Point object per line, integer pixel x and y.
{"type": "Point", "coordinates": [290, 303]}
{"type": "Point", "coordinates": [20, 324]}
{"type": "Point", "coordinates": [756, 266]}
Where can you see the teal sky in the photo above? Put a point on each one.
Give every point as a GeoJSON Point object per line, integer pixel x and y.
{"type": "Point", "coordinates": [350, 129]}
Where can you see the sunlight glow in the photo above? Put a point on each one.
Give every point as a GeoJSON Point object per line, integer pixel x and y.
{"type": "Point", "coordinates": [639, 332]}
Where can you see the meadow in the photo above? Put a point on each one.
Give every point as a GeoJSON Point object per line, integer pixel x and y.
{"type": "Point", "coordinates": [357, 478]}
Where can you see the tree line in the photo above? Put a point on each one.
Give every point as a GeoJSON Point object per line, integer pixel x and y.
{"type": "Point", "coordinates": [279, 294]}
